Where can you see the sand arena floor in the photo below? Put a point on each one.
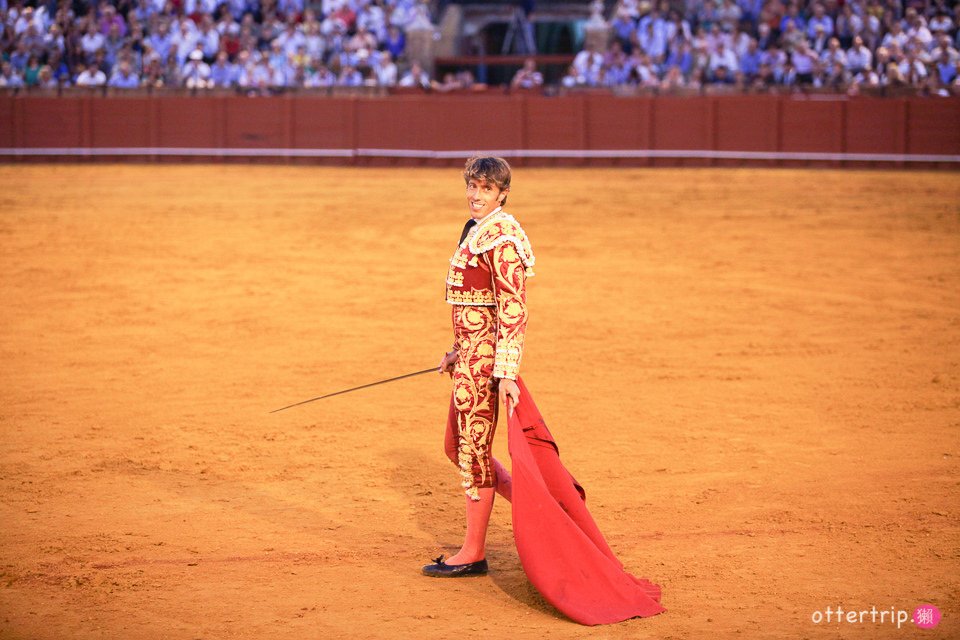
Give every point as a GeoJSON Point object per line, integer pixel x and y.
{"type": "Point", "coordinates": [754, 373]}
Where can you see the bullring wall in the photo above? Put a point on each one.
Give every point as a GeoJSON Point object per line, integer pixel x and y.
{"type": "Point", "coordinates": [583, 129]}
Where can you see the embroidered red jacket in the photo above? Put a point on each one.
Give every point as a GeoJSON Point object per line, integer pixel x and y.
{"type": "Point", "coordinates": [489, 269]}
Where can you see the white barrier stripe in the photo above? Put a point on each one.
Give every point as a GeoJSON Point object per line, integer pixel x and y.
{"type": "Point", "coordinates": [175, 151]}
{"type": "Point", "coordinates": [427, 154]}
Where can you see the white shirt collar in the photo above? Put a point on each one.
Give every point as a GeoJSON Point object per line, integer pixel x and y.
{"type": "Point", "coordinates": [489, 215]}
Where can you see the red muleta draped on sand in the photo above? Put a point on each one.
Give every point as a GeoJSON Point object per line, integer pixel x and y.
{"type": "Point", "coordinates": [561, 549]}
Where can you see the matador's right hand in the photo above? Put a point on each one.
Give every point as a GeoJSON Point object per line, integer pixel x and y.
{"type": "Point", "coordinates": [447, 363]}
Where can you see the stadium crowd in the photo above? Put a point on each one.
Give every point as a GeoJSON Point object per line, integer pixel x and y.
{"type": "Point", "coordinates": [839, 45]}
{"type": "Point", "coordinates": [254, 45]}
{"type": "Point", "coordinates": [261, 45]}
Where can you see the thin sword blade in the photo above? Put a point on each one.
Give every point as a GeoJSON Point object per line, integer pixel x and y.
{"type": "Point", "coordinates": [363, 386]}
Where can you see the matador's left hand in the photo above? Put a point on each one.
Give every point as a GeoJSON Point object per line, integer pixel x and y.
{"type": "Point", "coordinates": [509, 390]}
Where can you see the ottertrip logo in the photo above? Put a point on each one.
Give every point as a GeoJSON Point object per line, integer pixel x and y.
{"type": "Point", "coordinates": [926, 616]}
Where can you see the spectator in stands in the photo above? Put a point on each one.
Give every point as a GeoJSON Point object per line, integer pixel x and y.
{"type": "Point", "coordinates": [624, 28]}
{"type": "Point", "coordinates": [194, 9]}
{"type": "Point", "coordinates": [256, 77]}
{"type": "Point", "coordinates": [345, 15]}
{"type": "Point", "coordinates": [819, 21]}
{"type": "Point", "coordinates": [946, 69]}
{"type": "Point", "coordinates": [895, 36]}
{"type": "Point", "coordinates": [794, 18]}
{"type": "Point", "coordinates": [651, 37]}
{"type": "Point", "coordinates": [943, 46]}
{"type": "Point", "coordinates": [373, 18]}
{"type": "Point", "coordinates": [766, 37]}
{"type": "Point", "coordinates": [859, 57]}
{"type": "Point", "coordinates": [196, 72]}
{"type": "Point", "coordinates": [92, 41]}
{"type": "Point", "coordinates": [749, 62]}
{"type": "Point", "coordinates": [45, 79]}
{"type": "Point", "coordinates": [588, 64]}
{"type": "Point", "coordinates": [681, 57]}
{"type": "Point", "coordinates": [833, 55]}
{"type": "Point", "coordinates": [893, 77]}
{"type": "Point", "coordinates": [818, 44]}
{"type": "Point", "coordinates": [223, 73]}
{"type": "Point", "coordinates": [161, 40]}
{"type": "Point", "coordinates": [837, 78]}
{"type": "Point", "coordinates": [270, 28]}
{"type": "Point", "coordinates": [572, 78]}
{"type": "Point", "coordinates": [310, 42]}
{"type": "Point", "coordinates": [110, 19]}
{"type": "Point", "coordinates": [185, 38]}
{"type": "Point", "coordinates": [154, 72]}
{"type": "Point", "coordinates": [123, 77]}
{"type": "Point", "coordinates": [791, 37]}
{"type": "Point", "coordinates": [58, 68]}
{"type": "Point", "coordinates": [804, 62]}
{"type": "Point", "coordinates": [642, 72]}
{"type": "Point", "coordinates": [350, 77]}
{"type": "Point", "coordinates": [208, 38]}
{"type": "Point", "coordinates": [53, 40]}
{"type": "Point", "coordinates": [291, 39]}
{"type": "Point", "coordinates": [319, 76]}
{"type": "Point", "coordinates": [848, 25]}
{"type": "Point", "coordinates": [91, 76]}
{"type": "Point", "coordinates": [788, 74]}
{"type": "Point", "coordinates": [722, 58]}
{"type": "Point", "coordinates": [31, 72]}
{"type": "Point", "coordinates": [9, 78]}
{"type": "Point", "coordinates": [917, 28]}
{"type": "Point", "coordinates": [415, 77]}
{"type": "Point", "coordinates": [765, 79]}
{"type": "Point", "coordinates": [32, 40]}
{"type": "Point", "coordinates": [395, 42]}
{"type": "Point", "coordinates": [729, 14]}
{"type": "Point", "coordinates": [385, 71]}
{"type": "Point", "coordinates": [913, 69]}
{"type": "Point", "coordinates": [112, 45]}
{"type": "Point", "coordinates": [941, 22]}
{"type": "Point", "coordinates": [677, 29]}
{"type": "Point", "coordinates": [290, 9]}
{"type": "Point", "coordinates": [527, 77]}
{"type": "Point", "coordinates": [449, 83]}
{"type": "Point", "coordinates": [363, 39]}
{"type": "Point", "coordinates": [300, 59]}
{"type": "Point", "coordinates": [673, 80]}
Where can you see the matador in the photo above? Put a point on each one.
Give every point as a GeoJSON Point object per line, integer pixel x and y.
{"type": "Point", "coordinates": [486, 287]}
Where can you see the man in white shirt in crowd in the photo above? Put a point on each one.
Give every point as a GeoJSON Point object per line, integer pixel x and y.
{"type": "Point", "coordinates": [859, 57]}
{"type": "Point", "coordinates": [415, 77]}
{"type": "Point", "coordinates": [196, 73]}
{"type": "Point", "coordinates": [588, 64]}
{"type": "Point", "coordinates": [92, 76]}
{"type": "Point", "coordinates": [386, 70]}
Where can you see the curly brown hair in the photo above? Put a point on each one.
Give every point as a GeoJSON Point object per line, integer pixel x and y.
{"type": "Point", "coordinates": [488, 169]}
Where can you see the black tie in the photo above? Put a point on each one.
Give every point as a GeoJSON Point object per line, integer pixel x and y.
{"type": "Point", "coordinates": [466, 229]}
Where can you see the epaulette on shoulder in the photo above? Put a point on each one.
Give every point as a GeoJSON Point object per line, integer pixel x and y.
{"type": "Point", "coordinates": [498, 230]}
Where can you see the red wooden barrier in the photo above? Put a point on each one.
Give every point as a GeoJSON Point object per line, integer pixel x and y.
{"type": "Point", "coordinates": [876, 126]}
{"type": "Point", "coordinates": [616, 123]}
{"type": "Point", "coordinates": [812, 125]}
{"type": "Point", "coordinates": [592, 128]}
{"type": "Point", "coordinates": [185, 122]}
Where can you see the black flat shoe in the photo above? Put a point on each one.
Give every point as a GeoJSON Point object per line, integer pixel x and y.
{"type": "Point", "coordinates": [440, 569]}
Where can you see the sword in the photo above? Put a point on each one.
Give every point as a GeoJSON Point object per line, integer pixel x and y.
{"type": "Point", "coordinates": [363, 386]}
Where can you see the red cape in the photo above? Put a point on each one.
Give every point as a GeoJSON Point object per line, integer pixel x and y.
{"type": "Point", "coordinates": [561, 549]}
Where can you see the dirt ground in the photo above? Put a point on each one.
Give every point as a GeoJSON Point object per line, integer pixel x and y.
{"type": "Point", "coordinates": [754, 373]}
